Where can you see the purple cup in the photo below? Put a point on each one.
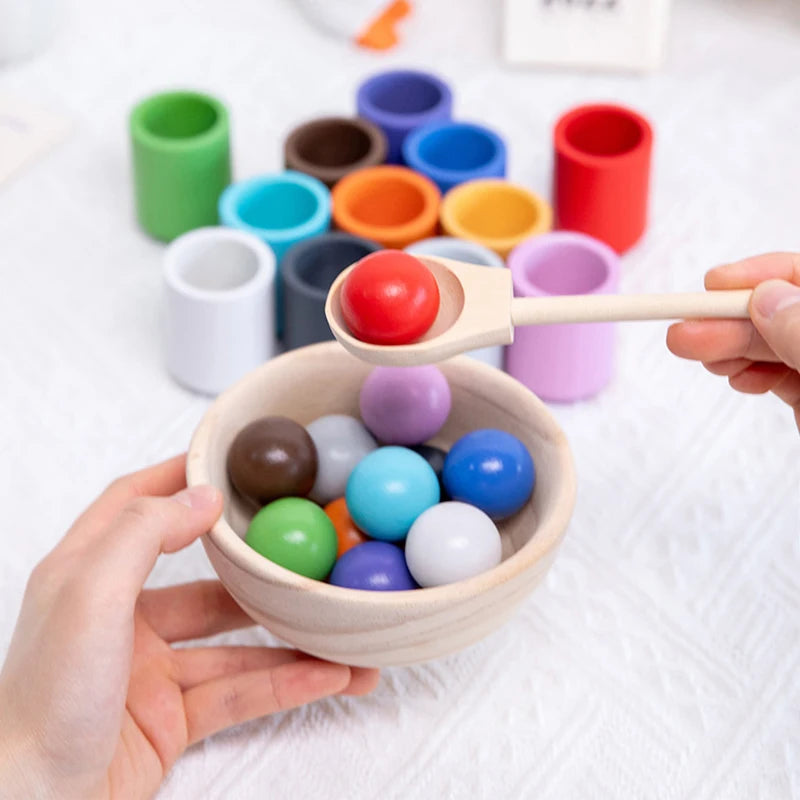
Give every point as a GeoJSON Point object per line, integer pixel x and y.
{"type": "Point", "coordinates": [399, 101]}
{"type": "Point", "coordinates": [563, 363]}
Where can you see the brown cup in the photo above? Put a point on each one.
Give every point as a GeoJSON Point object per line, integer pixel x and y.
{"type": "Point", "coordinates": [329, 148]}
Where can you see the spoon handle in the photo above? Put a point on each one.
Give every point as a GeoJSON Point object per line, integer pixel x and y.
{"type": "Point", "coordinates": [730, 304]}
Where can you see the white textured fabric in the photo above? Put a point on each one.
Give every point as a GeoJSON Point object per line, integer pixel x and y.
{"type": "Point", "coordinates": [661, 657]}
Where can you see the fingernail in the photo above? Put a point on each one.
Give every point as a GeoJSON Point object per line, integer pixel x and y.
{"type": "Point", "coordinates": [773, 296]}
{"type": "Point", "coordinates": [198, 497]}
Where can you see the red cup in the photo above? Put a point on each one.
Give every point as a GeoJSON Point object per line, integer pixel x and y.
{"type": "Point", "coordinates": [601, 179]}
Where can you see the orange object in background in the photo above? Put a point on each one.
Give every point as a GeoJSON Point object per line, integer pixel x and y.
{"type": "Point", "coordinates": [347, 534]}
{"type": "Point", "coordinates": [380, 34]}
{"type": "Point", "coordinates": [391, 205]}
{"type": "Point", "coordinates": [495, 213]}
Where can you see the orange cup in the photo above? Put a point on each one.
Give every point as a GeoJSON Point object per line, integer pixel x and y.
{"type": "Point", "coordinates": [497, 214]}
{"type": "Point", "coordinates": [391, 205]}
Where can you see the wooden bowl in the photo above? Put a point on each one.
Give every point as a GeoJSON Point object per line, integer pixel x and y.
{"type": "Point", "coordinates": [382, 629]}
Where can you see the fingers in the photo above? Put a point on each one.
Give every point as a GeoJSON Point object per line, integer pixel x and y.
{"type": "Point", "coordinates": [758, 378]}
{"type": "Point", "coordinates": [728, 368]}
{"type": "Point", "coordinates": [718, 340]}
{"type": "Point", "coordinates": [198, 665]}
{"type": "Point", "coordinates": [362, 681]}
{"type": "Point", "coordinates": [751, 271]}
{"type": "Point", "coordinates": [222, 703]}
{"type": "Point", "coordinates": [160, 480]}
{"type": "Point", "coordinates": [191, 611]}
{"type": "Point", "coordinates": [775, 311]}
{"type": "Point", "coordinates": [788, 389]}
{"type": "Point", "coordinates": [118, 563]}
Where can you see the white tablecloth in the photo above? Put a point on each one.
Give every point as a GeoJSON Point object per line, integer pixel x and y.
{"type": "Point", "coordinates": [661, 657]}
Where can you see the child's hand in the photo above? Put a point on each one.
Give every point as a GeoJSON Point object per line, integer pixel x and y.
{"type": "Point", "coordinates": [94, 702]}
{"type": "Point", "coordinates": [758, 356]}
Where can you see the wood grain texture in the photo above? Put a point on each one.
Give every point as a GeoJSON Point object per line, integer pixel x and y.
{"type": "Point", "coordinates": [376, 628]}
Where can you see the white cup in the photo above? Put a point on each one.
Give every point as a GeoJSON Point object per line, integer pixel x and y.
{"type": "Point", "coordinates": [220, 306]}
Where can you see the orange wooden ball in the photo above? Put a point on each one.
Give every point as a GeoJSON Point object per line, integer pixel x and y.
{"type": "Point", "coordinates": [347, 534]}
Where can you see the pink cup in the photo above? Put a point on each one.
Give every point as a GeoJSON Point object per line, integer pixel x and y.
{"type": "Point", "coordinates": [563, 363]}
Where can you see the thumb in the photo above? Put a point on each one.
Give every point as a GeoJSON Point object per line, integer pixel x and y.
{"type": "Point", "coordinates": [775, 311]}
{"type": "Point", "coordinates": [126, 552]}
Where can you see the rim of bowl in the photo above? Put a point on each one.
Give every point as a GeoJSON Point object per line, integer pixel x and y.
{"type": "Point", "coordinates": [546, 538]}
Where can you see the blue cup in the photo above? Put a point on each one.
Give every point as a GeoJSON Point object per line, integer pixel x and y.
{"type": "Point", "coordinates": [450, 153]}
{"type": "Point", "coordinates": [399, 101]}
{"type": "Point", "coordinates": [281, 209]}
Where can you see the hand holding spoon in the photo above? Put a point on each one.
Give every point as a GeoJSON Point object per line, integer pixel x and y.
{"type": "Point", "coordinates": [477, 309]}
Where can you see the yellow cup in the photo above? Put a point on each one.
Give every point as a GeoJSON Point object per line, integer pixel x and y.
{"type": "Point", "coordinates": [495, 213]}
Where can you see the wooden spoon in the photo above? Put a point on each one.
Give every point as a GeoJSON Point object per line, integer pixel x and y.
{"type": "Point", "coordinates": [477, 309]}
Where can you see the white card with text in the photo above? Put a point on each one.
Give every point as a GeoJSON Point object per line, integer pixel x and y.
{"type": "Point", "coordinates": [592, 34]}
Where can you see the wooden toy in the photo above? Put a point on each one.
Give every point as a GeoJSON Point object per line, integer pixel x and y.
{"type": "Point", "coordinates": [477, 308]}
{"type": "Point", "coordinates": [296, 534]}
{"type": "Point", "coordinates": [374, 566]}
{"type": "Point", "coordinates": [451, 542]}
{"type": "Point", "coordinates": [377, 628]}
{"type": "Point", "coordinates": [391, 205]}
{"type": "Point", "coordinates": [341, 441]}
{"type": "Point", "coordinates": [347, 533]}
{"type": "Point", "coordinates": [491, 470]}
{"type": "Point", "coordinates": [219, 287]}
{"type": "Point", "coordinates": [281, 209]}
{"type": "Point", "coordinates": [473, 253]}
{"type": "Point", "coordinates": [405, 405]}
{"type": "Point", "coordinates": [435, 456]}
{"type": "Point", "coordinates": [389, 297]}
{"type": "Point", "coordinates": [563, 363]}
{"type": "Point", "coordinates": [308, 268]}
{"type": "Point", "coordinates": [329, 148]}
{"type": "Point", "coordinates": [181, 161]}
{"type": "Point", "coordinates": [388, 490]}
{"type": "Point", "coordinates": [601, 175]}
{"type": "Point", "coordinates": [450, 153]}
{"type": "Point", "coordinates": [496, 213]}
{"type": "Point", "coordinates": [398, 101]}
{"type": "Point", "coordinates": [272, 457]}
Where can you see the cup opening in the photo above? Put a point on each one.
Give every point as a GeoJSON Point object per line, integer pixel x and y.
{"type": "Point", "coordinates": [496, 212]}
{"type": "Point", "coordinates": [457, 149]}
{"type": "Point", "coordinates": [219, 266]}
{"type": "Point", "coordinates": [406, 94]}
{"type": "Point", "coordinates": [389, 202]}
{"type": "Point", "coordinates": [318, 267]}
{"type": "Point", "coordinates": [604, 132]}
{"type": "Point", "coordinates": [333, 144]}
{"type": "Point", "coordinates": [456, 249]}
{"type": "Point", "coordinates": [179, 116]}
{"type": "Point", "coordinates": [566, 268]}
{"type": "Point", "coordinates": [277, 206]}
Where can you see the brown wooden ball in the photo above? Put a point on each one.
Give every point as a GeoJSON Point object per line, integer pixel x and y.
{"type": "Point", "coordinates": [270, 458]}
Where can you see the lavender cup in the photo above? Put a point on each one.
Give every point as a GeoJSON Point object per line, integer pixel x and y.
{"type": "Point", "coordinates": [563, 363]}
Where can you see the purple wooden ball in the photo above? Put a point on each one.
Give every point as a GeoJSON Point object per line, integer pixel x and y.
{"type": "Point", "coordinates": [375, 566]}
{"type": "Point", "coordinates": [405, 405]}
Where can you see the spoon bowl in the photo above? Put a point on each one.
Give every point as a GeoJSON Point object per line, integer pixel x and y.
{"type": "Point", "coordinates": [462, 323]}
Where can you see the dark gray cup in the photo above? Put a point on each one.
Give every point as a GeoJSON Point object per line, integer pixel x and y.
{"type": "Point", "coordinates": [308, 269]}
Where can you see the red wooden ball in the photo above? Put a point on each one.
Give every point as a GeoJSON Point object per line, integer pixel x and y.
{"type": "Point", "coordinates": [389, 297]}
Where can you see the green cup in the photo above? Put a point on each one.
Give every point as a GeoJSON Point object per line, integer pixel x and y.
{"type": "Point", "coordinates": [181, 161]}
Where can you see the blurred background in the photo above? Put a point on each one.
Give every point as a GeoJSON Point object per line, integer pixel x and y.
{"type": "Point", "coordinates": [660, 659]}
